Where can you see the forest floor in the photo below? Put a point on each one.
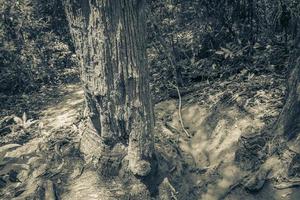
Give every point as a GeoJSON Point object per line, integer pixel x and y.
{"type": "Point", "coordinates": [225, 156]}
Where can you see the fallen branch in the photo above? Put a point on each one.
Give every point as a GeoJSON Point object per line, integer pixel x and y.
{"type": "Point", "coordinates": [179, 110]}
{"type": "Point", "coordinates": [49, 190]}
{"type": "Point", "coordinates": [173, 190]}
{"type": "Point", "coordinates": [289, 184]}
{"type": "Point", "coordinates": [171, 128]}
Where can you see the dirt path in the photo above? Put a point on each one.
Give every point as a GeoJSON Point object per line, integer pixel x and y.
{"type": "Point", "coordinates": [55, 170]}
{"type": "Point", "coordinates": [54, 117]}
{"type": "Point", "coordinates": [64, 113]}
{"type": "Point", "coordinates": [204, 166]}
{"type": "Point", "coordinates": [60, 114]}
{"type": "Point", "coordinates": [216, 129]}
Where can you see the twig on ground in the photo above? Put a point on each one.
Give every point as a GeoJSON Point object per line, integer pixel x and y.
{"type": "Point", "coordinates": [288, 184]}
{"type": "Point", "coordinates": [179, 110]}
{"type": "Point", "coordinates": [173, 190]}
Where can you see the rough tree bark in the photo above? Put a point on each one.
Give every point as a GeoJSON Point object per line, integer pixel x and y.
{"type": "Point", "coordinates": [110, 43]}
{"type": "Point", "coordinates": [287, 124]}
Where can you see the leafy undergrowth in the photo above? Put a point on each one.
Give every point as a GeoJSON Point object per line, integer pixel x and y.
{"type": "Point", "coordinates": [35, 48]}
{"type": "Point", "coordinates": [31, 103]}
{"type": "Point", "coordinates": [191, 37]}
{"type": "Point", "coordinates": [222, 64]}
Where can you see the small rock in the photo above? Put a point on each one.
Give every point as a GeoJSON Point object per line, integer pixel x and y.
{"type": "Point", "coordinates": [139, 191]}
{"type": "Point", "coordinates": [256, 182]}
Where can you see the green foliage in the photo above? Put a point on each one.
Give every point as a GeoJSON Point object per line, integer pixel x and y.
{"type": "Point", "coordinates": [33, 50]}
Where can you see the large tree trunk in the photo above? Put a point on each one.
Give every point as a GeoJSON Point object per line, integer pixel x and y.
{"type": "Point", "coordinates": [110, 43]}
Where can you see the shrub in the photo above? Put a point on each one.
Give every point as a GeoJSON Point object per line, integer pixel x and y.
{"type": "Point", "coordinates": [35, 44]}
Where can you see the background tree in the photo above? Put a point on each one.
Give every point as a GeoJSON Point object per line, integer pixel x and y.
{"type": "Point", "coordinates": [109, 41]}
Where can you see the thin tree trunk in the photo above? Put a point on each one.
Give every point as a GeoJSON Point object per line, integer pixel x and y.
{"type": "Point", "coordinates": [110, 43]}
{"type": "Point", "coordinates": [287, 123]}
